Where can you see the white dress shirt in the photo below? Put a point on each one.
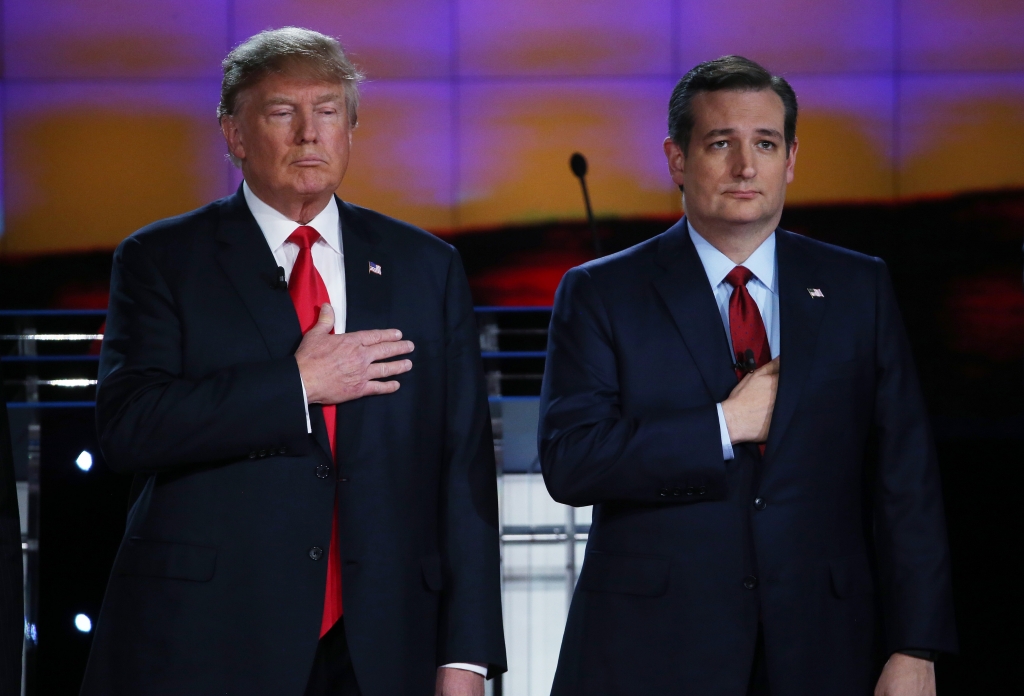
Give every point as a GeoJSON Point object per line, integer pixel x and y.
{"type": "Point", "coordinates": [763, 287]}
{"type": "Point", "coordinates": [329, 261]}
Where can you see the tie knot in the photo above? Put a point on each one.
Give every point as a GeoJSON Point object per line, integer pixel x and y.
{"type": "Point", "coordinates": [739, 277]}
{"type": "Point", "coordinates": [305, 236]}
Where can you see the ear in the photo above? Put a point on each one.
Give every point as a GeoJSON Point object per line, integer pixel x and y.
{"type": "Point", "coordinates": [232, 136]}
{"type": "Point", "coordinates": [676, 160]}
{"type": "Point", "coordinates": [791, 161]}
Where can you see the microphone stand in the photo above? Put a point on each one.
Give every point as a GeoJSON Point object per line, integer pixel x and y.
{"type": "Point", "coordinates": [578, 164]}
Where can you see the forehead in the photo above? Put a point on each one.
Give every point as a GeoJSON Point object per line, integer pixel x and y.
{"type": "Point", "coordinates": [735, 109]}
{"type": "Point", "coordinates": [291, 86]}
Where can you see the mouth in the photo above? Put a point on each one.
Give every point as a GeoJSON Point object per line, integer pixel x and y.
{"type": "Point", "coordinates": [744, 195]}
{"type": "Point", "coordinates": [309, 161]}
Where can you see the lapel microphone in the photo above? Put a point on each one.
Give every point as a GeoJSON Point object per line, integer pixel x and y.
{"type": "Point", "coordinates": [746, 362]}
{"type": "Point", "coordinates": [279, 283]}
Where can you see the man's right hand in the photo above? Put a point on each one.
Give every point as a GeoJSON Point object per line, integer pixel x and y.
{"type": "Point", "coordinates": [343, 367]}
{"type": "Point", "coordinates": [748, 410]}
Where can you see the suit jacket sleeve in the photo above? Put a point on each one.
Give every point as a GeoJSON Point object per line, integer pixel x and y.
{"type": "Point", "coordinates": [12, 614]}
{"type": "Point", "coordinates": [470, 627]}
{"type": "Point", "coordinates": [590, 451]}
{"type": "Point", "coordinates": [910, 527]}
{"type": "Point", "coordinates": [149, 416]}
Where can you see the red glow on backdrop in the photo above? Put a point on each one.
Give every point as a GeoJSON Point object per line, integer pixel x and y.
{"type": "Point", "coordinates": [528, 280]}
{"type": "Point", "coordinates": [985, 317]}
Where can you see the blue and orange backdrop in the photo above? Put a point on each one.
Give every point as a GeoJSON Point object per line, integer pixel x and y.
{"type": "Point", "coordinates": [912, 149]}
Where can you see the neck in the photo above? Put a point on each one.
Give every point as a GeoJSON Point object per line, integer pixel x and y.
{"type": "Point", "coordinates": [300, 208]}
{"type": "Point", "coordinates": [736, 241]}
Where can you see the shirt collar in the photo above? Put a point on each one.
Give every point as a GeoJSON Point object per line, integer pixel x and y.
{"type": "Point", "coordinates": [277, 228]}
{"type": "Point", "coordinates": [717, 265]}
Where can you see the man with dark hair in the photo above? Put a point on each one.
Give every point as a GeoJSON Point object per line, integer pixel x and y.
{"type": "Point", "coordinates": [296, 384]}
{"type": "Point", "coordinates": [12, 597]}
{"type": "Point", "coordinates": [740, 405]}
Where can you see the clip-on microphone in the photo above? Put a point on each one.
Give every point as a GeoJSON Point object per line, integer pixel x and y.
{"type": "Point", "coordinates": [281, 283]}
{"type": "Point", "coordinates": [746, 362]}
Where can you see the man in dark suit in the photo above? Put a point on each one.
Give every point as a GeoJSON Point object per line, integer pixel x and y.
{"type": "Point", "coordinates": [12, 597]}
{"type": "Point", "coordinates": [741, 541]}
{"type": "Point", "coordinates": [296, 384]}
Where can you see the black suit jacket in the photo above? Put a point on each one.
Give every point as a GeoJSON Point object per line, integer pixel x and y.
{"type": "Point", "coordinates": [12, 613]}
{"type": "Point", "coordinates": [681, 565]}
{"type": "Point", "coordinates": [215, 589]}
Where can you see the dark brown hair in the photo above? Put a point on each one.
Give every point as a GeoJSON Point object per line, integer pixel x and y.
{"type": "Point", "coordinates": [725, 73]}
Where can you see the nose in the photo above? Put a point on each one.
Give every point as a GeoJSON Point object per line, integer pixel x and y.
{"type": "Point", "coordinates": [743, 164]}
{"type": "Point", "coordinates": [305, 127]}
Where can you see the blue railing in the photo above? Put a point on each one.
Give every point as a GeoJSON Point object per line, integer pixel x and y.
{"type": "Point", "coordinates": [17, 313]}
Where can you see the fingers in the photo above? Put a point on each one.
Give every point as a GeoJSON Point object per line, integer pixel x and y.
{"type": "Point", "coordinates": [373, 388]}
{"type": "Point", "coordinates": [373, 337]}
{"type": "Point", "coordinates": [324, 322]}
{"type": "Point", "coordinates": [769, 368]}
{"type": "Point", "coordinates": [383, 351]}
{"type": "Point", "coordinates": [389, 369]}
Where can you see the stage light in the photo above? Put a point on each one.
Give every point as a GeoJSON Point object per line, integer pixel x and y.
{"type": "Point", "coordinates": [83, 623]}
{"type": "Point", "coordinates": [84, 461]}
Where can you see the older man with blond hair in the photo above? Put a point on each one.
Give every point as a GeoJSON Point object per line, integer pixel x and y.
{"type": "Point", "coordinates": [295, 383]}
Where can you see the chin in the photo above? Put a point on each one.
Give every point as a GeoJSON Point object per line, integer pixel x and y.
{"type": "Point", "coordinates": [741, 215]}
{"type": "Point", "coordinates": [312, 186]}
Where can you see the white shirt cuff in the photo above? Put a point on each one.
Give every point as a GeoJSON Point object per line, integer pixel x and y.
{"type": "Point", "coordinates": [305, 405]}
{"type": "Point", "coordinates": [482, 671]}
{"type": "Point", "coordinates": [723, 430]}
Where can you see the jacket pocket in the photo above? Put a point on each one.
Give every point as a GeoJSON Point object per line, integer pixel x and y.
{"type": "Point", "coordinates": [850, 576]}
{"type": "Point", "coordinates": [161, 559]}
{"type": "Point", "coordinates": [432, 572]}
{"type": "Point", "coordinates": [645, 576]}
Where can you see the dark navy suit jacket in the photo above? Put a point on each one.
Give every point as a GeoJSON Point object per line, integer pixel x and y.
{"type": "Point", "coordinates": [681, 565]}
{"type": "Point", "coordinates": [215, 589]}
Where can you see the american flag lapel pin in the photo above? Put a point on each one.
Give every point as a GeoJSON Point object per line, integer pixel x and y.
{"type": "Point", "coordinates": [816, 292]}
{"type": "Point", "coordinates": [375, 268]}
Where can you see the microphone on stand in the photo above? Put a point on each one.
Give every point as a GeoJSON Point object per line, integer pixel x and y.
{"type": "Point", "coordinates": [578, 164]}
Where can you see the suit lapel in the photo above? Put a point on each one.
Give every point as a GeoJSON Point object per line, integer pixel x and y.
{"type": "Point", "coordinates": [799, 321]}
{"type": "Point", "coordinates": [368, 295]}
{"type": "Point", "coordinates": [368, 305]}
{"type": "Point", "coordinates": [249, 263]}
{"type": "Point", "coordinates": [683, 284]}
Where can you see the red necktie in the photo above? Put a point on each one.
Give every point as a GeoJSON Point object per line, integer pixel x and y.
{"type": "Point", "coordinates": [308, 293]}
{"type": "Point", "coordinates": [749, 339]}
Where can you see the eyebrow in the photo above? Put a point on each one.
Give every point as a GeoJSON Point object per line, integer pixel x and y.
{"type": "Point", "coordinates": [322, 99]}
{"type": "Point", "coordinates": [732, 131]}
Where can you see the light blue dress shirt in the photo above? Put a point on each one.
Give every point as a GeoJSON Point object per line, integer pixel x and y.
{"type": "Point", "coordinates": [763, 287]}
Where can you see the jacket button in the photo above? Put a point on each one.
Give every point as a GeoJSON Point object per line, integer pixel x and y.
{"type": "Point", "coordinates": [689, 490]}
{"type": "Point", "coordinates": [315, 553]}
{"type": "Point", "coordinates": [749, 582]}
{"type": "Point", "coordinates": [280, 450]}
{"type": "Point", "coordinates": [677, 491]}
{"type": "Point", "coordinates": [263, 453]}
{"type": "Point", "coordinates": [323, 471]}
{"type": "Point", "coordinates": [252, 455]}
{"type": "Point", "coordinates": [663, 492]}
{"type": "Point", "coordinates": [759, 504]}
{"type": "Point", "coordinates": [702, 490]}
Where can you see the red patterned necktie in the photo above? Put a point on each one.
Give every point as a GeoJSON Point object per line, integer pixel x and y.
{"type": "Point", "coordinates": [750, 347]}
{"type": "Point", "coordinates": [308, 293]}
